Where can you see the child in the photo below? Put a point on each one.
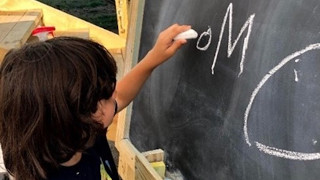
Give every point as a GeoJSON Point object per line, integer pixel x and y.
{"type": "Point", "coordinates": [58, 97]}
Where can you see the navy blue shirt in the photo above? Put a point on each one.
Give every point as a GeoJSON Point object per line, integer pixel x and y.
{"type": "Point", "coordinates": [96, 162]}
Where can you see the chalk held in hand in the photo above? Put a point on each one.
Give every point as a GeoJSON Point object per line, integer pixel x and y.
{"type": "Point", "coordinates": [189, 34]}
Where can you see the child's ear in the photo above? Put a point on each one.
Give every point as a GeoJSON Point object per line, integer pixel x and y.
{"type": "Point", "coordinates": [98, 115]}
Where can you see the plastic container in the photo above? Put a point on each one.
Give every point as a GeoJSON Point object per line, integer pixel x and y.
{"type": "Point", "coordinates": [42, 32]}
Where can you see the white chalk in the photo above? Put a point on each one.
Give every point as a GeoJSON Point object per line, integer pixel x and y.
{"type": "Point", "coordinates": [189, 34]}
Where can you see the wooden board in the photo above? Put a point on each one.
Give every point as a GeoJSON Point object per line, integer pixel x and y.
{"type": "Point", "coordinates": [132, 163]}
{"type": "Point", "coordinates": [16, 28]}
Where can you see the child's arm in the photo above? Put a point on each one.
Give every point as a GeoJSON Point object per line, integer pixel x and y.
{"type": "Point", "coordinates": [129, 86]}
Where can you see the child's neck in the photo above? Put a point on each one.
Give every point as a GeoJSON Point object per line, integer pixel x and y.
{"type": "Point", "coordinates": [74, 160]}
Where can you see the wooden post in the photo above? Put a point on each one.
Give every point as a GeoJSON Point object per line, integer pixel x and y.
{"type": "Point", "coordinates": [122, 17]}
{"type": "Point", "coordinates": [132, 164]}
{"type": "Point", "coordinates": [131, 58]}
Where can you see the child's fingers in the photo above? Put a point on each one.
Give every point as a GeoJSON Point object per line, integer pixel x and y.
{"type": "Point", "coordinates": [176, 45]}
{"type": "Point", "coordinates": [175, 29]}
{"type": "Point", "coordinates": [165, 46]}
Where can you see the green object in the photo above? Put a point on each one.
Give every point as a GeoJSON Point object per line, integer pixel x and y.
{"type": "Point", "coordinates": [99, 12]}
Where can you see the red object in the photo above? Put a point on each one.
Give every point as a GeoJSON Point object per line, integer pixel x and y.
{"type": "Point", "coordinates": [42, 29]}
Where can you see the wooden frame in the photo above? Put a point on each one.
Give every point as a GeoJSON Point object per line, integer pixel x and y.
{"type": "Point", "coordinates": [122, 17]}
{"type": "Point", "coordinates": [132, 163]}
{"type": "Point", "coordinates": [16, 27]}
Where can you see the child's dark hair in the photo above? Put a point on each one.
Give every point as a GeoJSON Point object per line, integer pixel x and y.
{"type": "Point", "coordinates": [48, 93]}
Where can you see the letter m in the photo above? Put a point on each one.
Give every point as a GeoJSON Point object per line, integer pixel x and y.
{"type": "Point", "coordinates": [247, 25]}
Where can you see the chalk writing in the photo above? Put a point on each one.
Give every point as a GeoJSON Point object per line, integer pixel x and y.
{"type": "Point", "coordinates": [247, 25]}
{"type": "Point", "coordinates": [287, 154]}
{"type": "Point", "coordinates": [204, 34]}
{"type": "Point", "coordinates": [314, 142]}
{"type": "Point", "coordinates": [272, 150]}
{"type": "Point", "coordinates": [296, 79]}
{"type": "Point", "coordinates": [231, 46]}
{"type": "Point", "coordinates": [296, 72]}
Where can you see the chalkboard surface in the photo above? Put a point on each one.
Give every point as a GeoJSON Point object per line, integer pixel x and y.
{"type": "Point", "coordinates": [242, 101]}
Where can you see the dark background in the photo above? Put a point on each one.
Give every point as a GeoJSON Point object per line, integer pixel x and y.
{"type": "Point", "coordinates": [99, 12]}
{"type": "Point", "coordinates": [197, 118]}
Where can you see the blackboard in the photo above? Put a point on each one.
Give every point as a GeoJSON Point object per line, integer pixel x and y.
{"type": "Point", "coordinates": [242, 101]}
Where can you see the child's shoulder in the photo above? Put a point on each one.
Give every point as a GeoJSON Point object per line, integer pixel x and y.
{"type": "Point", "coordinates": [87, 168]}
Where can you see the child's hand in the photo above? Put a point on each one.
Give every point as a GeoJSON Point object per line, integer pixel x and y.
{"type": "Point", "coordinates": [165, 46]}
{"type": "Point", "coordinates": [129, 86]}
